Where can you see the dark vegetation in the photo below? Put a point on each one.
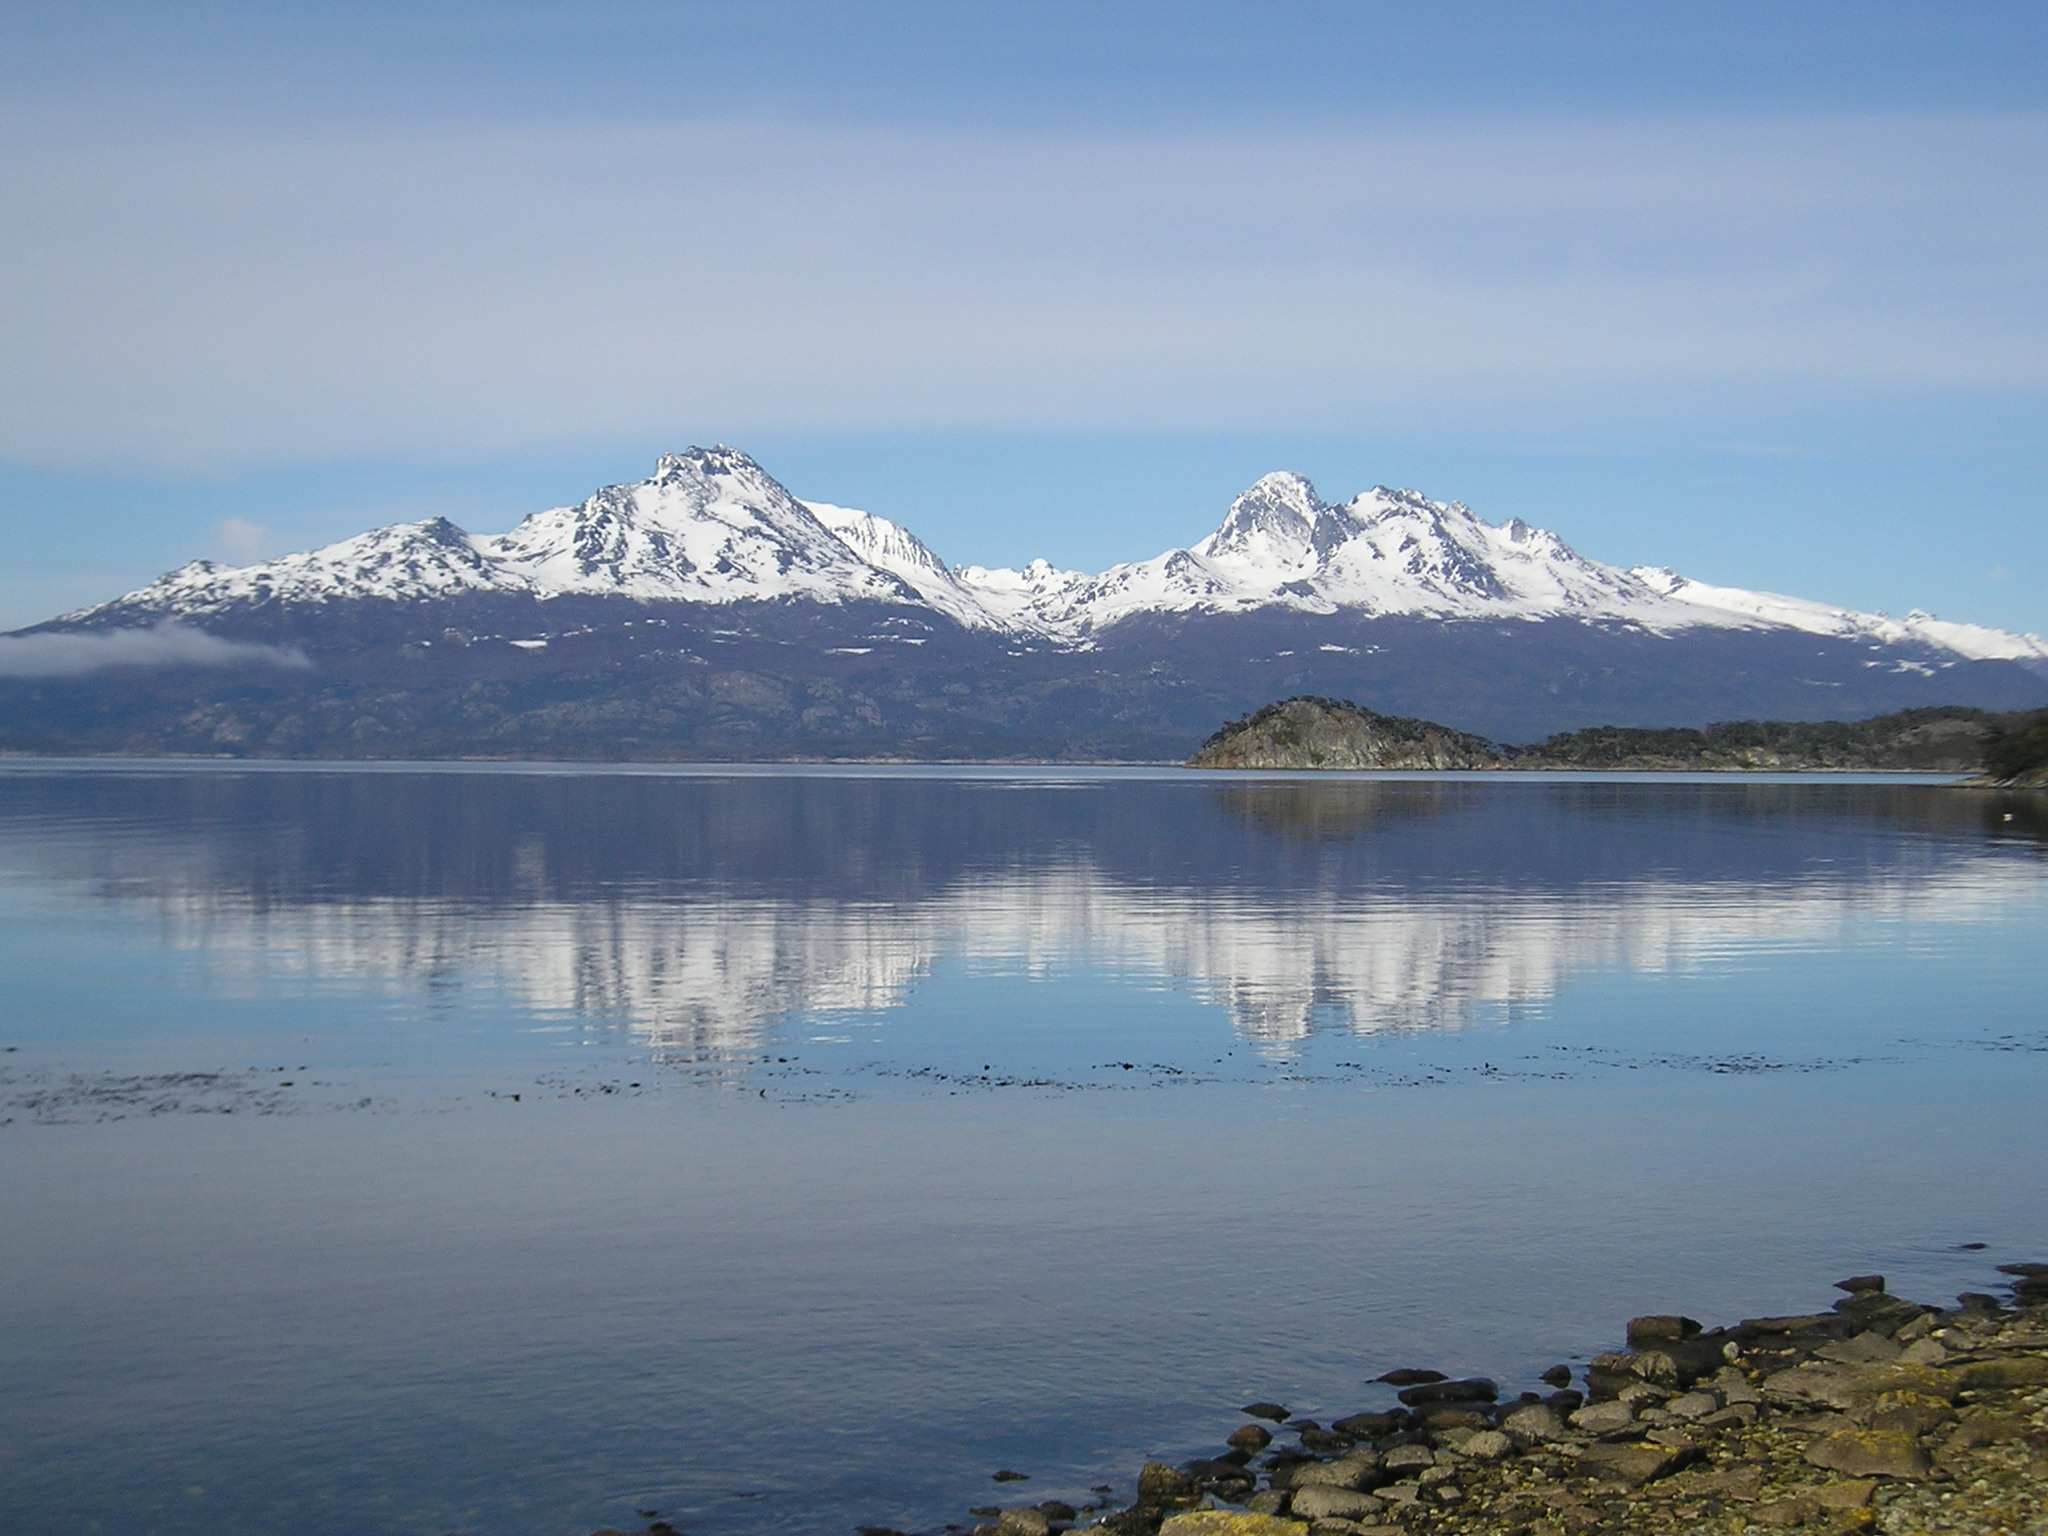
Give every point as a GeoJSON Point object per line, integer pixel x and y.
{"type": "Point", "coordinates": [1312, 732]}
{"type": "Point", "coordinates": [2016, 750]}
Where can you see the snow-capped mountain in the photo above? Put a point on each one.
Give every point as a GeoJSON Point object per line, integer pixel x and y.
{"type": "Point", "coordinates": [713, 527]}
{"type": "Point", "coordinates": [708, 613]}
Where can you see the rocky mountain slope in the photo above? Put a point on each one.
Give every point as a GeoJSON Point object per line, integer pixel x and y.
{"type": "Point", "coordinates": [708, 612]}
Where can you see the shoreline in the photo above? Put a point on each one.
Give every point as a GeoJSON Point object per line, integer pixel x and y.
{"type": "Point", "coordinates": [1876, 1415]}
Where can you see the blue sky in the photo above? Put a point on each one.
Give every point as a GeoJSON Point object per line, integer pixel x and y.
{"type": "Point", "coordinates": [1756, 291]}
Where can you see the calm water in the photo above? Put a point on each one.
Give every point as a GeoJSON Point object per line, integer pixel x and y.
{"type": "Point", "coordinates": [506, 1151]}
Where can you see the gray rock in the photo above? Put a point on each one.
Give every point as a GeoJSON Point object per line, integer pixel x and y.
{"type": "Point", "coordinates": [1694, 1405]}
{"type": "Point", "coordinates": [1408, 1458]}
{"type": "Point", "coordinates": [1633, 1464]}
{"type": "Point", "coordinates": [1869, 1453]}
{"type": "Point", "coordinates": [1488, 1445]}
{"type": "Point", "coordinates": [1333, 1504]}
{"type": "Point", "coordinates": [1354, 1472]}
{"type": "Point", "coordinates": [1860, 1349]}
{"type": "Point", "coordinates": [1025, 1520]}
{"type": "Point", "coordinates": [1734, 1414]}
{"type": "Point", "coordinates": [1270, 1501]}
{"type": "Point", "coordinates": [1533, 1423]}
{"type": "Point", "coordinates": [1923, 1351]}
{"type": "Point", "coordinates": [1604, 1418]}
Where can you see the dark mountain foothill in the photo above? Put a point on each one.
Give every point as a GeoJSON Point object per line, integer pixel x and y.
{"type": "Point", "coordinates": [1877, 1415]}
{"type": "Point", "coordinates": [1319, 733]}
{"type": "Point", "coordinates": [708, 614]}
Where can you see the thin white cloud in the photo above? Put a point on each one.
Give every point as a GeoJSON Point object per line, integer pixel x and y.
{"type": "Point", "coordinates": [240, 536]}
{"type": "Point", "coordinates": [455, 290]}
{"type": "Point", "coordinates": [161, 645]}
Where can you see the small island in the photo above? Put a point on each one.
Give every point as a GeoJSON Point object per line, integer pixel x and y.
{"type": "Point", "coordinates": [1319, 733]}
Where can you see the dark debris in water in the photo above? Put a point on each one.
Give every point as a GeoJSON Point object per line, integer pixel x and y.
{"type": "Point", "coordinates": [84, 1098]}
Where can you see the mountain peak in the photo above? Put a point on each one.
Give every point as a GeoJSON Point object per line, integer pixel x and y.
{"type": "Point", "coordinates": [696, 462]}
{"type": "Point", "coordinates": [1274, 520]}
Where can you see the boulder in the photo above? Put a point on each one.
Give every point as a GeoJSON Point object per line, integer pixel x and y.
{"type": "Point", "coordinates": [1635, 1463]}
{"type": "Point", "coordinates": [1475, 1389]}
{"type": "Point", "coordinates": [1356, 1471]}
{"type": "Point", "coordinates": [1869, 1453]}
{"type": "Point", "coordinates": [1533, 1423]}
{"type": "Point", "coordinates": [1159, 1484]}
{"type": "Point", "coordinates": [1231, 1522]}
{"type": "Point", "coordinates": [1487, 1445]}
{"type": "Point", "coordinates": [1335, 1504]}
{"type": "Point", "coordinates": [1661, 1329]}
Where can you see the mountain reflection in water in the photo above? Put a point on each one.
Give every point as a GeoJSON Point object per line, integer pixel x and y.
{"type": "Point", "coordinates": [697, 911]}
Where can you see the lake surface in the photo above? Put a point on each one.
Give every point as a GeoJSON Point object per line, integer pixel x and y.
{"type": "Point", "coordinates": [511, 1150]}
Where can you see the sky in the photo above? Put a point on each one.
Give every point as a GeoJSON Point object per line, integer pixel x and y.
{"type": "Point", "coordinates": [1756, 291]}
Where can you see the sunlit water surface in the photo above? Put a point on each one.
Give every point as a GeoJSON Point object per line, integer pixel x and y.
{"type": "Point", "coordinates": [509, 1151]}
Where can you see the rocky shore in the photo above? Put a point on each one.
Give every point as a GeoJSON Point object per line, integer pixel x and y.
{"type": "Point", "coordinates": [1876, 1415]}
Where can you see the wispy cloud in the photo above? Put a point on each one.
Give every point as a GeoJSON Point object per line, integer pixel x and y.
{"type": "Point", "coordinates": [459, 288]}
{"type": "Point", "coordinates": [240, 537]}
{"type": "Point", "coordinates": [161, 645]}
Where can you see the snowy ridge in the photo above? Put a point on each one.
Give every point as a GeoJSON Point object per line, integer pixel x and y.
{"type": "Point", "coordinates": [712, 526]}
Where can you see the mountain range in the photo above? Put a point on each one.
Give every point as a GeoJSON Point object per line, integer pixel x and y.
{"type": "Point", "coordinates": [707, 612]}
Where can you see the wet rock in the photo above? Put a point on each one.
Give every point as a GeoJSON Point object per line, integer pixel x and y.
{"type": "Point", "coordinates": [1334, 1504]}
{"type": "Point", "coordinates": [1437, 1417]}
{"type": "Point", "coordinates": [1370, 1426]}
{"type": "Point", "coordinates": [1057, 1509]}
{"type": "Point", "coordinates": [1408, 1377]}
{"type": "Point", "coordinates": [1856, 1284]}
{"type": "Point", "coordinates": [1869, 1453]}
{"type": "Point", "coordinates": [1325, 1440]}
{"type": "Point", "coordinates": [1633, 1464]}
{"type": "Point", "coordinates": [1250, 1437]}
{"type": "Point", "coordinates": [1271, 1411]}
{"type": "Point", "coordinates": [1557, 1376]}
{"type": "Point", "coordinates": [1231, 1522]}
{"type": "Point", "coordinates": [1473, 1389]}
{"type": "Point", "coordinates": [1661, 1329]}
{"type": "Point", "coordinates": [1008, 1476]}
{"type": "Point", "coordinates": [1271, 1501]}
